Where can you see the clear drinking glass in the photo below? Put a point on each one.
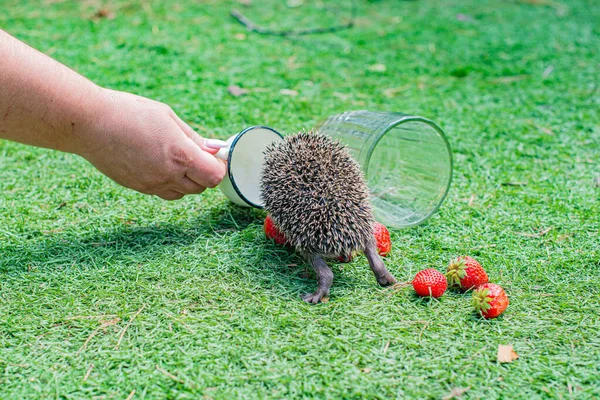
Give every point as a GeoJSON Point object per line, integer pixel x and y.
{"type": "Point", "coordinates": [406, 160]}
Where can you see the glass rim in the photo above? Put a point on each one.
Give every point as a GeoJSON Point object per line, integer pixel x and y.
{"type": "Point", "coordinates": [402, 119]}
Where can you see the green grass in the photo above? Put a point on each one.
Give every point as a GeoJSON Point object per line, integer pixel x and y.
{"type": "Point", "coordinates": [515, 87]}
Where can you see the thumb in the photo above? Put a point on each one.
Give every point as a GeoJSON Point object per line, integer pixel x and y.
{"type": "Point", "coordinates": [212, 146]}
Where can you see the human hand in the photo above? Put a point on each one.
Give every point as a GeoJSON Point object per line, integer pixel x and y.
{"type": "Point", "coordinates": [143, 145]}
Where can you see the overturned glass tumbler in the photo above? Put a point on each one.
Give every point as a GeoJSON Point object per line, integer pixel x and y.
{"type": "Point", "coordinates": [407, 162]}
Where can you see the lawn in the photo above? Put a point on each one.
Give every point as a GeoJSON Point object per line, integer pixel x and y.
{"type": "Point", "coordinates": [107, 293]}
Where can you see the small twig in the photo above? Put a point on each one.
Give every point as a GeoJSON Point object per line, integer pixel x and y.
{"type": "Point", "coordinates": [478, 352]}
{"type": "Point", "coordinates": [127, 326]}
{"type": "Point", "coordinates": [168, 374]}
{"type": "Point", "coordinates": [131, 395]}
{"type": "Point", "coordinates": [510, 79]}
{"type": "Point", "coordinates": [186, 326]}
{"type": "Point", "coordinates": [514, 183]}
{"type": "Point", "coordinates": [471, 200]}
{"type": "Point", "coordinates": [423, 330]}
{"type": "Point", "coordinates": [539, 234]}
{"type": "Point", "coordinates": [456, 392]}
{"type": "Point", "coordinates": [94, 333]}
{"type": "Point", "coordinates": [90, 317]}
{"type": "Point", "coordinates": [397, 287]}
{"type": "Point", "coordinates": [89, 371]}
{"type": "Point", "coordinates": [50, 331]}
{"type": "Point", "coordinates": [96, 244]}
{"type": "Point", "coordinates": [148, 9]}
{"type": "Point", "coordinates": [485, 246]}
{"type": "Point", "coordinates": [103, 325]}
{"type": "Point", "coordinates": [386, 347]}
{"type": "Point", "coordinates": [252, 27]}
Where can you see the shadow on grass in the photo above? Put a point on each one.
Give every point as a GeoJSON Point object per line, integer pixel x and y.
{"type": "Point", "coordinates": [268, 265]}
{"type": "Point", "coordinates": [113, 244]}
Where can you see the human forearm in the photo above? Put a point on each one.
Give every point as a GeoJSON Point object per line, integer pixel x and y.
{"type": "Point", "coordinates": [139, 143]}
{"type": "Point", "coordinates": [42, 102]}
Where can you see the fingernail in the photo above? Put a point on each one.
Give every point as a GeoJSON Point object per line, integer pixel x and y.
{"type": "Point", "coordinates": [215, 143]}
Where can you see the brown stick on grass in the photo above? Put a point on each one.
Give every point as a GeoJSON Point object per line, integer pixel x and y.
{"type": "Point", "coordinates": [168, 374]}
{"type": "Point", "coordinates": [127, 326]}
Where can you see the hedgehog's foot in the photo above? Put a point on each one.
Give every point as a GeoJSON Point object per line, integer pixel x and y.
{"type": "Point", "coordinates": [324, 278]}
{"type": "Point", "coordinates": [383, 276]}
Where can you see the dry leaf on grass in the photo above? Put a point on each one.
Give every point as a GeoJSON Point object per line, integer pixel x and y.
{"type": "Point", "coordinates": [506, 353]}
{"type": "Point", "coordinates": [294, 3]}
{"type": "Point", "coordinates": [236, 91]}
{"type": "Point", "coordinates": [110, 322]}
{"type": "Point", "coordinates": [456, 392]}
{"type": "Point", "coordinates": [547, 71]}
{"type": "Point", "coordinates": [343, 96]}
{"type": "Point", "coordinates": [104, 13]}
{"type": "Point", "coordinates": [291, 63]}
{"type": "Point", "coordinates": [377, 68]}
{"type": "Point", "coordinates": [510, 79]}
{"type": "Point", "coordinates": [391, 92]}
{"type": "Point", "coordinates": [288, 92]}
{"type": "Point", "coordinates": [325, 300]}
{"type": "Point", "coordinates": [366, 370]}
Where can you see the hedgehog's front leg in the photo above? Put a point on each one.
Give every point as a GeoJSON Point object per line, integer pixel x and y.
{"type": "Point", "coordinates": [383, 276]}
{"type": "Point", "coordinates": [324, 278]}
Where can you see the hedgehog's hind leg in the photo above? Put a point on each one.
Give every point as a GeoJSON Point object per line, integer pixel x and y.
{"type": "Point", "coordinates": [324, 278]}
{"type": "Point", "coordinates": [384, 278]}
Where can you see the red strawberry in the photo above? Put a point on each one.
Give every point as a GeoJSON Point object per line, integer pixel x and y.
{"type": "Point", "coordinates": [272, 232]}
{"type": "Point", "coordinates": [382, 238]}
{"type": "Point", "coordinates": [466, 273]}
{"type": "Point", "coordinates": [490, 300]}
{"type": "Point", "coordinates": [346, 259]}
{"type": "Point", "coordinates": [430, 282]}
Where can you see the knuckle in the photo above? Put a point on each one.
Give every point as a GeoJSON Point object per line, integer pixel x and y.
{"type": "Point", "coordinates": [165, 107]}
{"type": "Point", "coordinates": [214, 178]}
{"type": "Point", "coordinates": [170, 196]}
{"type": "Point", "coordinates": [145, 188]}
{"type": "Point", "coordinates": [180, 157]}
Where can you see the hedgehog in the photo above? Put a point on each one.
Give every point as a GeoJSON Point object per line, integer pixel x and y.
{"type": "Point", "coordinates": [317, 197]}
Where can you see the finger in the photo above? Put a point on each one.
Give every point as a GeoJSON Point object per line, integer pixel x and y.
{"type": "Point", "coordinates": [188, 186]}
{"type": "Point", "coordinates": [215, 143]}
{"type": "Point", "coordinates": [189, 132]}
{"type": "Point", "coordinates": [204, 169]}
{"type": "Point", "coordinates": [170, 195]}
